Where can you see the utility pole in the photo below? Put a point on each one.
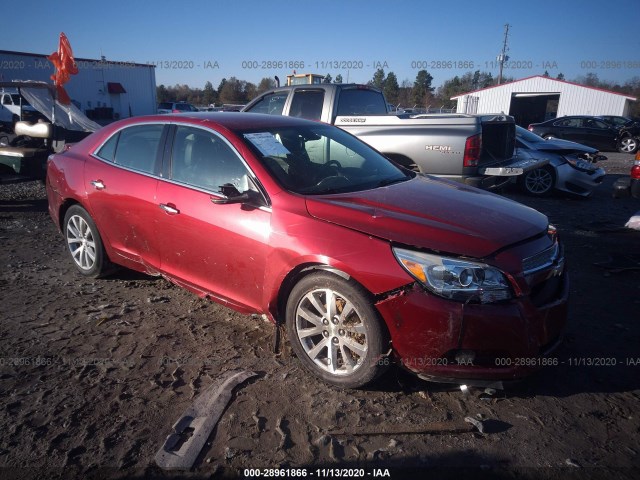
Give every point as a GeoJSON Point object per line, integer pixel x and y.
{"type": "Point", "coordinates": [503, 57]}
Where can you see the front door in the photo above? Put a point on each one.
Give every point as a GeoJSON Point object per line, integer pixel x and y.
{"type": "Point", "coordinates": [218, 249]}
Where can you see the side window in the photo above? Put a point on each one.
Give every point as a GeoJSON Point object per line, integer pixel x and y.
{"type": "Point", "coordinates": [137, 147]}
{"type": "Point", "coordinates": [599, 124]}
{"type": "Point", "coordinates": [108, 149]}
{"type": "Point", "coordinates": [272, 104]}
{"type": "Point", "coordinates": [203, 160]}
{"type": "Point", "coordinates": [307, 104]}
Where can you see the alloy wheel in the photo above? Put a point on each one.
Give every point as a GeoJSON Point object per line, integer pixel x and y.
{"type": "Point", "coordinates": [331, 331]}
{"type": "Point", "coordinates": [81, 242]}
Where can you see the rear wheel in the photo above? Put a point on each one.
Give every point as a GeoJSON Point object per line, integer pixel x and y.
{"type": "Point", "coordinates": [84, 243]}
{"type": "Point", "coordinates": [539, 182]}
{"type": "Point", "coordinates": [335, 330]}
{"type": "Point", "coordinates": [628, 145]}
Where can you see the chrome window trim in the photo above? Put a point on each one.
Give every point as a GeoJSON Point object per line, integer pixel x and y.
{"type": "Point", "coordinates": [251, 173]}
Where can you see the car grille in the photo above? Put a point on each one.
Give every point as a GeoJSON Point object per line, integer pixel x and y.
{"type": "Point", "coordinates": [541, 260]}
{"type": "Point", "coordinates": [544, 272]}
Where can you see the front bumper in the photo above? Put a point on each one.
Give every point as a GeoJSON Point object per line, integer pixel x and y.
{"type": "Point", "coordinates": [499, 174]}
{"type": "Point", "coordinates": [578, 182]}
{"type": "Point", "coordinates": [474, 344]}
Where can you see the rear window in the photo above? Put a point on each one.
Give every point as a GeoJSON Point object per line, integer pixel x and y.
{"type": "Point", "coordinates": [165, 106]}
{"type": "Point", "coordinates": [357, 101]}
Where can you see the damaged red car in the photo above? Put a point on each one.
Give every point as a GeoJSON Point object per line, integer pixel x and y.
{"type": "Point", "coordinates": [366, 263]}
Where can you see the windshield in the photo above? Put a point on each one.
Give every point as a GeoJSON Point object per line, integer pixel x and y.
{"type": "Point", "coordinates": [17, 100]}
{"type": "Point", "coordinates": [320, 159]}
{"type": "Point", "coordinates": [527, 136]}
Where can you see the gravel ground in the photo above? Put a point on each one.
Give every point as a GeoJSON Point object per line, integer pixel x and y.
{"type": "Point", "coordinates": [93, 373]}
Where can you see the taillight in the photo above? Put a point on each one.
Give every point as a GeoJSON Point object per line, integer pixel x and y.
{"type": "Point", "coordinates": [530, 128]}
{"type": "Point", "coordinates": [635, 170]}
{"type": "Point", "coordinates": [472, 148]}
{"type": "Point", "coordinates": [175, 111]}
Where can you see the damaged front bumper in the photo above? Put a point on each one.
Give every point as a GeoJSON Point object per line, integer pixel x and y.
{"type": "Point", "coordinates": [475, 344]}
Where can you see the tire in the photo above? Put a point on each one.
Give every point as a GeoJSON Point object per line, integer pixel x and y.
{"type": "Point", "coordinates": [628, 145]}
{"type": "Point", "coordinates": [347, 350]}
{"type": "Point", "coordinates": [84, 243]}
{"type": "Point", "coordinates": [539, 182]}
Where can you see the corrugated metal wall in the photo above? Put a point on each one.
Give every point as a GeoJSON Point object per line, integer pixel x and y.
{"type": "Point", "coordinates": [89, 86]}
{"type": "Point", "coordinates": [574, 99]}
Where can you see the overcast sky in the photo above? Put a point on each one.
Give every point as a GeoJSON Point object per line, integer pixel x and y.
{"type": "Point", "coordinates": [192, 41]}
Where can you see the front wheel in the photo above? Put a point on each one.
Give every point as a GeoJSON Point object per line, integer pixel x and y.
{"type": "Point", "coordinates": [84, 243]}
{"type": "Point", "coordinates": [539, 182]}
{"type": "Point", "coordinates": [628, 145]}
{"type": "Point", "coordinates": [335, 330]}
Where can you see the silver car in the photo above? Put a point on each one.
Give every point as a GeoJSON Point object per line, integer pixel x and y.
{"type": "Point", "coordinates": [570, 169]}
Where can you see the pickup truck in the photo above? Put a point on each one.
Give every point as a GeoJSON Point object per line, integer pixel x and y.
{"type": "Point", "coordinates": [13, 107]}
{"type": "Point", "coordinates": [473, 149]}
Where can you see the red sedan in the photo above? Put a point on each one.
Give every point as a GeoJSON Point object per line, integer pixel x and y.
{"type": "Point", "coordinates": [365, 263]}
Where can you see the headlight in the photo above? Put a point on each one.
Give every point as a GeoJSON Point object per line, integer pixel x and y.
{"type": "Point", "coordinates": [580, 164]}
{"type": "Point", "coordinates": [455, 279]}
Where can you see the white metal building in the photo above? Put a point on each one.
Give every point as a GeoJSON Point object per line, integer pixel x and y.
{"type": "Point", "coordinates": [539, 98]}
{"type": "Point", "coordinates": [102, 89]}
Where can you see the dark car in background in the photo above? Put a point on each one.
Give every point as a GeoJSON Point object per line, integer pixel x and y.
{"type": "Point", "coordinates": [570, 169]}
{"type": "Point", "coordinates": [365, 262]}
{"type": "Point", "coordinates": [588, 130]}
{"type": "Point", "coordinates": [175, 107]}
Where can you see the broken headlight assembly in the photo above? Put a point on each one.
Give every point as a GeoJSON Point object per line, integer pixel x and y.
{"type": "Point", "coordinates": [580, 164]}
{"type": "Point", "coordinates": [455, 279]}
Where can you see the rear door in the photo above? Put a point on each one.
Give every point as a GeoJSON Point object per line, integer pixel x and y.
{"type": "Point", "coordinates": [121, 179]}
{"type": "Point", "coordinates": [599, 134]}
{"type": "Point", "coordinates": [216, 249]}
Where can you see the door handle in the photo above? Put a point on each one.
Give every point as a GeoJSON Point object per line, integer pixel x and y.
{"type": "Point", "coordinates": [97, 184]}
{"type": "Point", "coordinates": [170, 208]}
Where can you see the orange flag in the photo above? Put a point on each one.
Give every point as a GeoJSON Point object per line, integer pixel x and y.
{"type": "Point", "coordinates": [65, 66]}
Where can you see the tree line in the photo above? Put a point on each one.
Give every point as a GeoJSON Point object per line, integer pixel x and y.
{"type": "Point", "coordinates": [419, 93]}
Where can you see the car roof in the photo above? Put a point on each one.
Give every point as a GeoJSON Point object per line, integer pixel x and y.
{"type": "Point", "coordinates": [230, 120]}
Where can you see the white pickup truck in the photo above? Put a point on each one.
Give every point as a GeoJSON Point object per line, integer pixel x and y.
{"type": "Point", "coordinates": [477, 150]}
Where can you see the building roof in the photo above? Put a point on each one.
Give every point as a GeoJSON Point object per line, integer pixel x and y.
{"type": "Point", "coordinates": [110, 63]}
{"type": "Point", "coordinates": [551, 80]}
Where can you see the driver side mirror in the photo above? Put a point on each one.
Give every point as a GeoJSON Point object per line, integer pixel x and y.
{"type": "Point", "coordinates": [232, 195]}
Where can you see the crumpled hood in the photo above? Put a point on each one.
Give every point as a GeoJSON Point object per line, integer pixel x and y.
{"type": "Point", "coordinates": [434, 214]}
{"type": "Point", "coordinates": [559, 145]}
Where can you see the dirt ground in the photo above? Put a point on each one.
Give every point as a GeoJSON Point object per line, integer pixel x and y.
{"type": "Point", "coordinates": [94, 373]}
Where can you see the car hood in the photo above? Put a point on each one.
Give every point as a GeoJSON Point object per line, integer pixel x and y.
{"type": "Point", "coordinates": [557, 145]}
{"type": "Point", "coordinates": [434, 214]}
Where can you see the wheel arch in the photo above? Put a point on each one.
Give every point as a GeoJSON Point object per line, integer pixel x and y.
{"type": "Point", "coordinates": [278, 308]}
{"type": "Point", "coordinates": [62, 211]}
